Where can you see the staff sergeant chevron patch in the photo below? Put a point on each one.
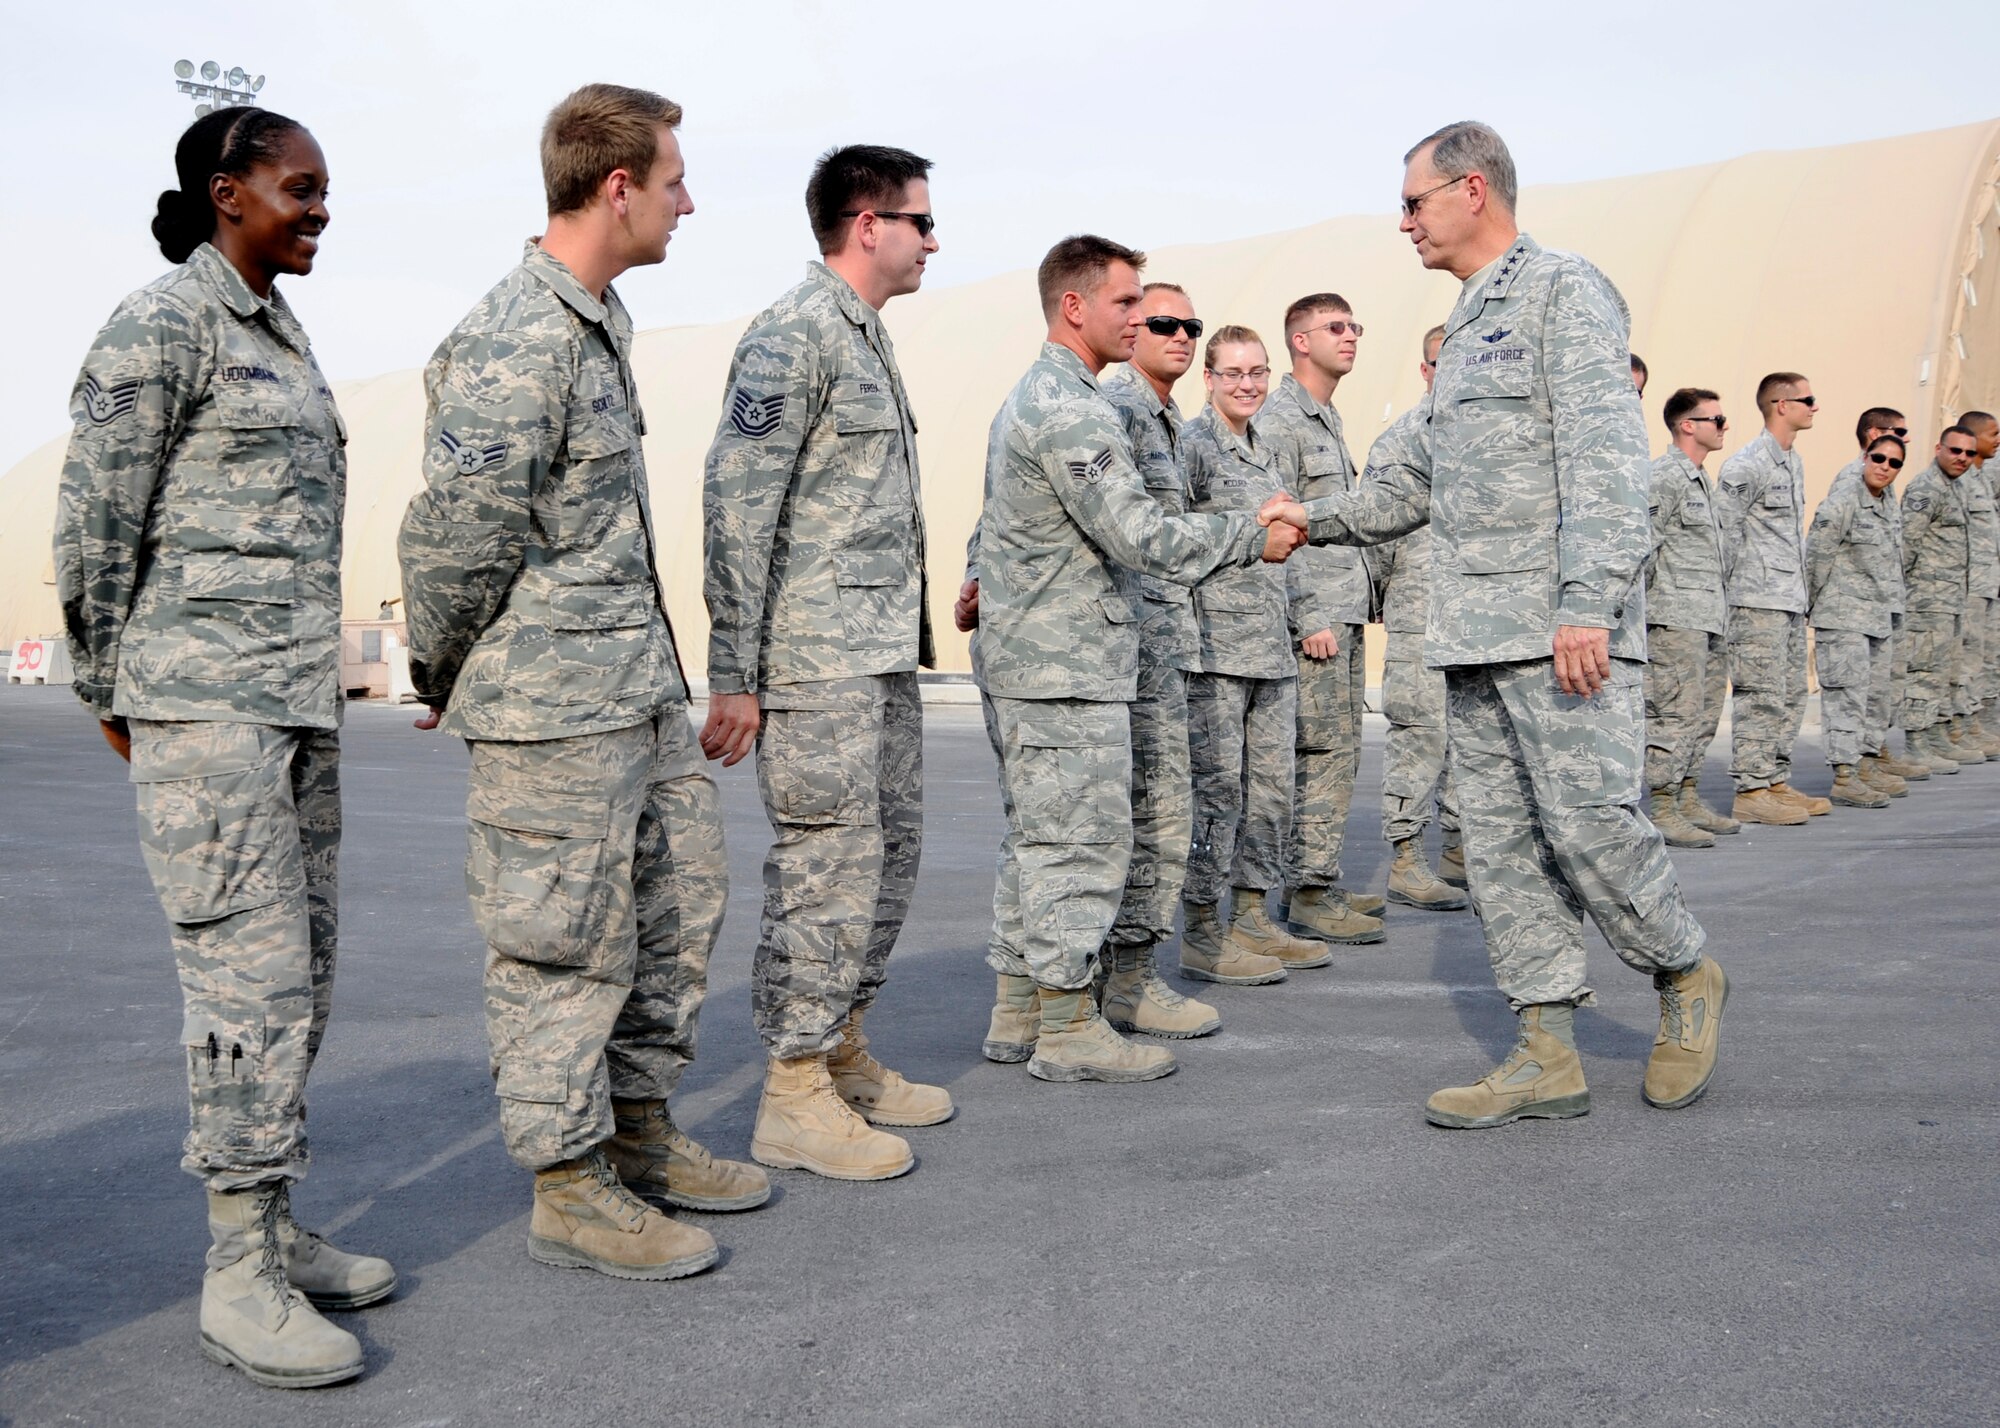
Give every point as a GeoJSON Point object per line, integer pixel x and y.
{"type": "Point", "coordinates": [756, 417]}
{"type": "Point", "coordinates": [471, 460]}
{"type": "Point", "coordinates": [1092, 470]}
{"type": "Point", "coordinates": [107, 404]}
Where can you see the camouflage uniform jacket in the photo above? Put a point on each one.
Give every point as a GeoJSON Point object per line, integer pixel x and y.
{"type": "Point", "coordinates": [1534, 474]}
{"type": "Point", "coordinates": [1065, 508]}
{"type": "Point", "coordinates": [1242, 612]}
{"type": "Point", "coordinates": [527, 561]}
{"type": "Point", "coordinates": [1852, 472]}
{"type": "Point", "coordinates": [1983, 531]}
{"type": "Point", "coordinates": [1402, 567]}
{"type": "Point", "coordinates": [1937, 549]}
{"type": "Point", "coordinates": [198, 523]}
{"type": "Point", "coordinates": [813, 523]}
{"type": "Point", "coordinates": [1166, 627]}
{"type": "Point", "coordinates": [1331, 586]}
{"type": "Point", "coordinates": [1854, 576]}
{"type": "Point", "coordinates": [1684, 570]}
{"type": "Point", "coordinates": [1762, 500]}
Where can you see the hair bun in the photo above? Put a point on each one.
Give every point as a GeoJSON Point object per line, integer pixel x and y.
{"type": "Point", "coordinates": [180, 225]}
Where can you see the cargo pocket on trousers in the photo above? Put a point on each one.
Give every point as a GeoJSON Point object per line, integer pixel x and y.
{"type": "Point", "coordinates": [534, 1104]}
{"type": "Point", "coordinates": [811, 767]}
{"type": "Point", "coordinates": [225, 1060]}
{"type": "Point", "coordinates": [1598, 760]}
{"type": "Point", "coordinates": [216, 820]}
{"type": "Point", "coordinates": [1075, 774]}
{"type": "Point", "coordinates": [532, 873]}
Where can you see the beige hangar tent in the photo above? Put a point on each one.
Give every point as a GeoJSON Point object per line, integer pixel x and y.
{"type": "Point", "coordinates": [1796, 260]}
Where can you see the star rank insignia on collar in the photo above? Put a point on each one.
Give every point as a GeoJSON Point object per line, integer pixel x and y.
{"type": "Point", "coordinates": [1091, 471]}
{"type": "Point", "coordinates": [469, 459]}
{"type": "Point", "coordinates": [106, 404]}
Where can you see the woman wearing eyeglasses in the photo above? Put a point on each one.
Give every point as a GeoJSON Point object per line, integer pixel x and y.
{"type": "Point", "coordinates": [1854, 584]}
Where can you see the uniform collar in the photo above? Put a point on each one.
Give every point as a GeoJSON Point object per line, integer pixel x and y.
{"type": "Point", "coordinates": [564, 284]}
{"type": "Point", "coordinates": [851, 305]}
{"type": "Point", "coordinates": [1130, 378]}
{"type": "Point", "coordinates": [1245, 447]}
{"type": "Point", "coordinates": [1066, 361]}
{"type": "Point", "coordinates": [221, 278]}
{"type": "Point", "coordinates": [1688, 465]}
{"type": "Point", "coordinates": [1779, 456]}
{"type": "Point", "coordinates": [1308, 403]}
{"type": "Point", "coordinates": [1496, 279]}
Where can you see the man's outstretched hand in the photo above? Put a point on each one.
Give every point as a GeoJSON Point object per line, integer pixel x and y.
{"type": "Point", "coordinates": [1282, 507]}
{"type": "Point", "coordinates": [1583, 659]}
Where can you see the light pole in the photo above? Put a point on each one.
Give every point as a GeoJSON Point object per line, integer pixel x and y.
{"type": "Point", "coordinates": [216, 90]}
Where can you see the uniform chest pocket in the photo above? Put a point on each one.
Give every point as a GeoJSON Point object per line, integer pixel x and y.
{"type": "Point", "coordinates": [1696, 513]}
{"type": "Point", "coordinates": [1322, 472]}
{"type": "Point", "coordinates": [1777, 498]}
{"type": "Point", "coordinates": [1493, 408]}
{"type": "Point", "coordinates": [859, 414]}
{"type": "Point", "coordinates": [600, 635]}
{"type": "Point", "coordinates": [1866, 535]}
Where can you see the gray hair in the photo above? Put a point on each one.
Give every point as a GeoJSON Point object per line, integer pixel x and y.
{"type": "Point", "coordinates": [1469, 147]}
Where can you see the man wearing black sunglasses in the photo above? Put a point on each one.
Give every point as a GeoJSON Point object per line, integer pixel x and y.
{"type": "Point", "coordinates": [1762, 506]}
{"type": "Point", "coordinates": [1937, 575]}
{"type": "Point", "coordinates": [814, 577]}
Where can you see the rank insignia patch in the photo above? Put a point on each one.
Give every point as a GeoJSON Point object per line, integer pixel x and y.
{"type": "Point", "coordinates": [1092, 470]}
{"type": "Point", "coordinates": [107, 404]}
{"type": "Point", "coordinates": [470, 459]}
{"type": "Point", "coordinates": [756, 417]}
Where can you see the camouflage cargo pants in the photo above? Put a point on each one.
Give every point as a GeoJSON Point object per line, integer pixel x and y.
{"type": "Point", "coordinates": [1066, 788]}
{"type": "Point", "coordinates": [1989, 690]}
{"type": "Point", "coordinates": [1328, 757]}
{"type": "Point", "coordinates": [1968, 691]}
{"type": "Point", "coordinates": [1934, 640]}
{"type": "Point", "coordinates": [1899, 669]}
{"type": "Point", "coordinates": [1548, 785]}
{"type": "Point", "coordinates": [240, 828]}
{"type": "Point", "coordinates": [1416, 771]}
{"type": "Point", "coordinates": [1240, 734]}
{"type": "Point", "coordinates": [840, 765]}
{"type": "Point", "coordinates": [1686, 681]}
{"type": "Point", "coordinates": [1767, 670]}
{"type": "Point", "coordinates": [1853, 670]}
{"type": "Point", "coordinates": [597, 877]}
{"type": "Point", "coordinates": [1162, 807]}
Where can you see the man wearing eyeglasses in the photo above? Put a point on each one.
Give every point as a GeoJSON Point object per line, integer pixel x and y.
{"type": "Point", "coordinates": [1330, 605]}
{"type": "Point", "coordinates": [1981, 679]}
{"type": "Point", "coordinates": [814, 577]}
{"type": "Point", "coordinates": [1534, 480]}
{"type": "Point", "coordinates": [1937, 581]}
{"type": "Point", "coordinates": [1762, 508]}
{"type": "Point", "coordinates": [1684, 680]}
{"type": "Point", "coordinates": [1854, 578]}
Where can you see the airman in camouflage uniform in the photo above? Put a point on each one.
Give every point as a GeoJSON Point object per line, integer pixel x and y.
{"type": "Point", "coordinates": [538, 627]}
{"type": "Point", "coordinates": [197, 557]}
{"type": "Point", "coordinates": [1985, 726]}
{"type": "Point", "coordinates": [1937, 570]}
{"type": "Point", "coordinates": [1684, 680]}
{"type": "Point", "coordinates": [1968, 731]}
{"type": "Point", "coordinates": [1761, 508]}
{"type": "Point", "coordinates": [1533, 380]}
{"type": "Point", "coordinates": [1854, 580]}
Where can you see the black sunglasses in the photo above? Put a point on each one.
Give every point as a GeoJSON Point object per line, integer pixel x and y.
{"type": "Point", "coordinates": [1167, 326]}
{"type": "Point", "coordinates": [1721, 422]}
{"type": "Point", "coordinates": [1961, 451]}
{"type": "Point", "coordinates": [1802, 401]}
{"type": "Point", "coordinates": [1883, 458]}
{"type": "Point", "coordinates": [923, 222]}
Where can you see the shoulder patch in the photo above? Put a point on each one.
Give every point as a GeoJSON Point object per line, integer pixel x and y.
{"type": "Point", "coordinates": [1916, 503]}
{"type": "Point", "coordinates": [756, 417]}
{"type": "Point", "coordinates": [471, 459]}
{"type": "Point", "coordinates": [1091, 471]}
{"type": "Point", "coordinates": [104, 405]}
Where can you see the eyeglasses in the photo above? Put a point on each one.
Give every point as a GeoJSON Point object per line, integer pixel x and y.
{"type": "Point", "coordinates": [1337, 327]}
{"type": "Point", "coordinates": [1411, 205]}
{"type": "Point", "coordinates": [1168, 326]}
{"type": "Point", "coordinates": [1802, 401]}
{"type": "Point", "coordinates": [1236, 377]}
{"type": "Point", "coordinates": [1883, 458]}
{"type": "Point", "coordinates": [1721, 422]}
{"type": "Point", "coordinates": [1960, 451]}
{"type": "Point", "coordinates": [922, 222]}
{"type": "Point", "coordinates": [1901, 433]}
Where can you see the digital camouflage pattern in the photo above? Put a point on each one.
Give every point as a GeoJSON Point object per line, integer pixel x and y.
{"type": "Point", "coordinates": [1166, 624]}
{"type": "Point", "coordinates": [198, 520]}
{"type": "Point", "coordinates": [812, 516]}
{"type": "Point", "coordinates": [1854, 574]}
{"type": "Point", "coordinates": [528, 560]}
{"type": "Point", "coordinates": [1899, 642]}
{"type": "Point", "coordinates": [840, 766]}
{"type": "Point", "coordinates": [1329, 586]}
{"type": "Point", "coordinates": [597, 876]}
{"type": "Point", "coordinates": [1241, 612]}
{"type": "Point", "coordinates": [1326, 759]}
{"type": "Point", "coordinates": [1767, 676]}
{"type": "Point", "coordinates": [1548, 784]}
{"type": "Point", "coordinates": [1761, 503]}
{"type": "Point", "coordinates": [1533, 378]}
{"type": "Point", "coordinates": [1937, 568]}
{"type": "Point", "coordinates": [1853, 669]}
{"type": "Point", "coordinates": [1983, 584]}
{"type": "Point", "coordinates": [1240, 742]}
{"type": "Point", "coordinates": [240, 827]}
{"type": "Point", "coordinates": [1684, 568]}
{"type": "Point", "coordinates": [1685, 683]}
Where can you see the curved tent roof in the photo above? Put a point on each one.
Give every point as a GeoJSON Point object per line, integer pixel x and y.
{"type": "Point", "coordinates": [1792, 260]}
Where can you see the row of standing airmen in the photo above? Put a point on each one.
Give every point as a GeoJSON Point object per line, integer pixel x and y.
{"type": "Point", "coordinates": [198, 555]}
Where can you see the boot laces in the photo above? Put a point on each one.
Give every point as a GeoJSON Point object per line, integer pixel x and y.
{"type": "Point", "coordinates": [611, 1195]}
{"type": "Point", "coordinates": [270, 1254]}
{"type": "Point", "coordinates": [1157, 987]}
{"type": "Point", "coordinates": [1673, 1011]}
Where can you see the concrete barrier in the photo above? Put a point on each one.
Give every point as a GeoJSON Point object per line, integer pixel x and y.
{"type": "Point", "coordinates": [41, 661]}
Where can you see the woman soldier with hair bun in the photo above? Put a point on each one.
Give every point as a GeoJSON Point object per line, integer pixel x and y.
{"type": "Point", "coordinates": [197, 555]}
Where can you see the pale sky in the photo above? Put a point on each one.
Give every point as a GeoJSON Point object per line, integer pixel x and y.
{"type": "Point", "coordinates": [1169, 123]}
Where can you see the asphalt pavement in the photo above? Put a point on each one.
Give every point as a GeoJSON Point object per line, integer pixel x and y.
{"type": "Point", "coordinates": [1272, 1236]}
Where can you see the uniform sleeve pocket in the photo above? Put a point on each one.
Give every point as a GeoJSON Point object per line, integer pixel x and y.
{"type": "Point", "coordinates": [1116, 609]}
{"type": "Point", "coordinates": [533, 873]}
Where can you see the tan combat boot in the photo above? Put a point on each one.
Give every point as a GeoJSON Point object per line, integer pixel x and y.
{"type": "Point", "coordinates": [1815, 806]}
{"type": "Point", "coordinates": [1909, 770]}
{"type": "Point", "coordinates": [1876, 775]}
{"type": "Point", "coordinates": [1665, 810]}
{"type": "Point", "coordinates": [1412, 883]}
{"type": "Point", "coordinates": [1076, 1044]}
{"type": "Point", "coordinates": [1963, 749]}
{"type": "Point", "coordinates": [1251, 928]}
{"type": "Point", "coordinates": [1761, 805]}
{"type": "Point", "coordinates": [252, 1317]}
{"type": "Point", "coordinates": [803, 1124]}
{"type": "Point", "coordinates": [1540, 1077]}
{"type": "Point", "coordinates": [1367, 904]}
{"type": "Point", "coordinates": [585, 1218]}
{"type": "Point", "coordinates": [1683, 1057]}
{"type": "Point", "coordinates": [1700, 814]}
{"type": "Point", "coordinates": [659, 1162]}
{"type": "Point", "coordinates": [1210, 954]}
{"type": "Point", "coordinates": [1451, 859]}
{"type": "Point", "coordinates": [1137, 1000]}
{"type": "Point", "coordinates": [1934, 746]}
{"type": "Point", "coordinates": [1010, 1033]}
{"type": "Point", "coordinates": [329, 1277]}
{"type": "Point", "coordinates": [1848, 788]}
{"type": "Point", "coordinates": [881, 1096]}
{"type": "Point", "coordinates": [1984, 738]}
{"type": "Point", "coordinates": [1327, 914]}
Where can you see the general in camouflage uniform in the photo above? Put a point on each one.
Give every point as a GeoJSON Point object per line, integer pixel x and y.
{"type": "Point", "coordinates": [1331, 592]}
{"type": "Point", "coordinates": [539, 628]}
{"type": "Point", "coordinates": [1854, 581]}
{"type": "Point", "coordinates": [1937, 580]}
